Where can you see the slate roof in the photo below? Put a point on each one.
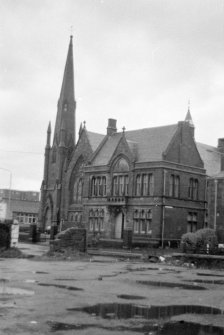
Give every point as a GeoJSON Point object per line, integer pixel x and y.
{"type": "Point", "coordinates": [151, 142]}
{"type": "Point", "coordinates": [211, 158]}
{"type": "Point", "coordinates": [94, 139]}
{"type": "Point", "coordinates": [148, 144]}
{"type": "Point", "coordinates": [107, 150]}
{"type": "Point", "coordinates": [25, 206]}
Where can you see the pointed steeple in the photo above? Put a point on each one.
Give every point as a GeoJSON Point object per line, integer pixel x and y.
{"type": "Point", "coordinates": [188, 117]}
{"type": "Point", "coordinates": [66, 102]}
{"type": "Point", "coordinates": [67, 88]}
{"type": "Point", "coordinates": [48, 144]}
{"type": "Point", "coordinates": [189, 120]}
{"type": "Point", "coordinates": [80, 129]}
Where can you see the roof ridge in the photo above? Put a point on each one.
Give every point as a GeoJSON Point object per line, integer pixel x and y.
{"type": "Point", "coordinates": [140, 129]}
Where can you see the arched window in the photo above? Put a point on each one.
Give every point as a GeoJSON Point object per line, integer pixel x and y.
{"type": "Point", "coordinates": [121, 166]}
{"type": "Point", "coordinates": [104, 186]}
{"type": "Point", "coordinates": [80, 218]}
{"type": "Point", "coordinates": [75, 188]}
{"type": "Point", "coordinates": [193, 189]}
{"type": "Point", "coordinates": [96, 220]}
{"type": "Point", "coordinates": [115, 185]}
{"type": "Point", "coordinates": [79, 191]}
{"type": "Point", "coordinates": [75, 183]}
{"type": "Point", "coordinates": [120, 178]}
{"type": "Point", "coordinates": [138, 185]}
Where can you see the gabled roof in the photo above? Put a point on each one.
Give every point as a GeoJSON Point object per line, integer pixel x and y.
{"type": "Point", "coordinates": [105, 153]}
{"type": "Point", "coordinates": [146, 144]}
{"type": "Point", "coordinates": [211, 158]}
{"type": "Point", "coordinates": [25, 206]}
{"type": "Point", "coordinates": [94, 139]}
{"type": "Point", "coordinates": [151, 142]}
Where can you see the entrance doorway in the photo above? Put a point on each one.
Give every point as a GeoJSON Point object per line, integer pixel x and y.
{"type": "Point", "coordinates": [48, 220]}
{"type": "Point", "coordinates": [119, 225]}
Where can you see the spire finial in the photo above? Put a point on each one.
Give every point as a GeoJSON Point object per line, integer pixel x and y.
{"type": "Point", "coordinates": [71, 33]}
{"type": "Point", "coordinates": [84, 124]}
{"type": "Point", "coordinates": [188, 117]}
{"type": "Point", "coordinates": [189, 105]}
{"type": "Point", "coordinates": [123, 129]}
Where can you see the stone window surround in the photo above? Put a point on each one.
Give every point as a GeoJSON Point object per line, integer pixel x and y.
{"type": "Point", "coordinates": [144, 184]}
{"type": "Point", "coordinates": [98, 186]}
{"type": "Point", "coordinates": [96, 220]}
{"type": "Point", "coordinates": [142, 220]}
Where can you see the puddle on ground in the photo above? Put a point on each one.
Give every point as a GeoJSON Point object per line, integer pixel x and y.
{"type": "Point", "coordinates": [30, 281]}
{"type": "Point", "coordinates": [15, 291]}
{"type": "Point", "coordinates": [206, 281]}
{"type": "Point", "coordinates": [3, 281]}
{"type": "Point", "coordinates": [66, 279]}
{"type": "Point", "coordinates": [171, 284]}
{"type": "Point", "coordinates": [209, 274]}
{"type": "Point", "coordinates": [186, 328]}
{"type": "Point", "coordinates": [41, 272]}
{"type": "Point", "coordinates": [172, 270]}
{"type": "Point", "coordinates": [129, 311]}
{"type": "Point", "coordinates": [130, 297]}
{"type": "Point", "coordinates": [60, 326]}
{"type": "Point", "coordinates": [142, 269]}
{"type": "Point", "coordinates": [169, 328]}
{"type": "Point", "coordinates": [70, 288]}
{"type": "Point", "coordinates": [143, 319]}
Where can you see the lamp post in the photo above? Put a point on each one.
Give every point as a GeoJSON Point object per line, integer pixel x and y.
{"type": "Point", "coordinates": [163, 207]}
{"type": "Point", "coordinates": [215, 203]}
{"type": "Point", "coordinates": [10, 185]}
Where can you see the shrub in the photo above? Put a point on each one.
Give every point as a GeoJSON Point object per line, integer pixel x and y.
{"type": "Point", "coordinates": [202, 241]}
{"type": "Point", "coordinates": [207, 241]}
{"type": "Point", "coordinates": [188, 242]}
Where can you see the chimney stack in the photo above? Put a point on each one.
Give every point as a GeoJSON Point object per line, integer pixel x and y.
{"type": "Point", "coordinates": [112, 127]}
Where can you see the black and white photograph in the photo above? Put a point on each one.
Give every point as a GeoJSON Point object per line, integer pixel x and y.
{"type": "Point", "coordinates": [112, 167]}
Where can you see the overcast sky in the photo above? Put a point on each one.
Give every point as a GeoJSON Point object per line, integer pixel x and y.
{"type": "Point", "coordinates": [138, 61]}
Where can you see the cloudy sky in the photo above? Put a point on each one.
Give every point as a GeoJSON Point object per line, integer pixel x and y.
{"type": "Point", "coordinates": [138, 61]}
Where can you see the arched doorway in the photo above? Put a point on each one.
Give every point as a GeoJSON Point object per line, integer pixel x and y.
{"type": "Point", "coordinates": [119, 225]}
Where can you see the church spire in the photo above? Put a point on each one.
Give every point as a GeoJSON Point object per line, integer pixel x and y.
{"type": "Point", "coordinates": [48, 144]}
{"type": "Point", "coordinates": [66, 102]}
{"type": "Point", "coordinates": [67, 89]}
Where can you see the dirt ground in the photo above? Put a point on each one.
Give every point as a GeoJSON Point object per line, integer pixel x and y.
{"type": "Point", "coordinates": [103, 295]}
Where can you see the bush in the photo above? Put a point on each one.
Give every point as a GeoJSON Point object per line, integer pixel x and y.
{"type": "Point", "coordinates": [207, 241]}
{"type": "Point", "coordinates": [188, 242]}
{"type": "Point", "coordinates": [202, 241]}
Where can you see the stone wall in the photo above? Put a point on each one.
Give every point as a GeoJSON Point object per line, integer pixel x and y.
{"type": "Point", "coordinates": [75, 238]}
{"type": "Point", "coordinates": [5, 234]}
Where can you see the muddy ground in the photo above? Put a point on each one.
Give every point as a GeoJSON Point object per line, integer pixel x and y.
{"type": "Point", "coordinates": [103, 295]}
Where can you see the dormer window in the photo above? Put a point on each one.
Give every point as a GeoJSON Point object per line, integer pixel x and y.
{"type": "Point", "coordinates": [65, 107]}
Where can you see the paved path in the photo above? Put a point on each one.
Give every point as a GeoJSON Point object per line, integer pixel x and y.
{"type": "Point", "coordinates": [33, 249]}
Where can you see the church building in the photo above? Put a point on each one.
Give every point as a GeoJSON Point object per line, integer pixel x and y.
{"type": "Point", "coordinates": [151, 181]}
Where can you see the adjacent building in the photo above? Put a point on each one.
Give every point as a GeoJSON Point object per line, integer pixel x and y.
{"type": "Point", "coordinates": [22, 206]}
